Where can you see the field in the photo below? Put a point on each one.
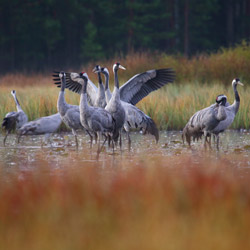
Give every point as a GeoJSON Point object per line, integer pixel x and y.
{"type": "Point", "coordinates": [163, 196]}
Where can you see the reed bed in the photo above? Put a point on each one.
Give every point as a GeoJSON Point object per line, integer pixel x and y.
{"type": "Point", "coordinates": [171, 107]}
{"type": "Point", "coordinates": [199, 80]}
{"type": "Point", "coordinates": [147, 202]}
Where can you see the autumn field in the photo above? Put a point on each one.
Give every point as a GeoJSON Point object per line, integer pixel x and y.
{"type": "Point", "coordinates": [164, 196]}
{"type": "Point", "coordinates": [198, 81]}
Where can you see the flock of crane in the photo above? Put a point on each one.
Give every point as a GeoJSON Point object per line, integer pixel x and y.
{"type": "Point", "coordinates": [105, 114]}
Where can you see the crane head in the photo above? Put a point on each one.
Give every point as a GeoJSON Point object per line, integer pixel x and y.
{"type": "Point", "coordinates": [221, 99]}
{"type": "Point", "coordinates": [84, 75]}
{"type": "Point", "coordinates": [104, 70]}
{"type": "Point", "coordinates": [117, 66]}
{"type": "Point", "coordinates": [97, 69]}
{"type": "Point", "coordinates": [237, 81]}
{"type": "Point", "coordinates": [62, 74]}
{"type": "Point", "coordinates": [13, 92]}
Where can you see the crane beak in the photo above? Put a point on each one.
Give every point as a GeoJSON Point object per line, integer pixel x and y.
{"type": "Point", "coordinates": [121, 67]}
{"type": "Point", "coordinates": [240, 83]}
{"type": "Point", "coordinates": [94, 70]}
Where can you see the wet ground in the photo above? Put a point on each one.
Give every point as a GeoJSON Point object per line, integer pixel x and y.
{"type": "Point", "coordinates": [61, 155]}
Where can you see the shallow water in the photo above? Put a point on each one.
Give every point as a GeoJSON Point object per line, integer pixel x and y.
{"type": "Point", "coordinates": [61, 155]}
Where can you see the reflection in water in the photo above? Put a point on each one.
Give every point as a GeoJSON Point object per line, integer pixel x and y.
{"type": "Point", "coordinates": [61, 156]}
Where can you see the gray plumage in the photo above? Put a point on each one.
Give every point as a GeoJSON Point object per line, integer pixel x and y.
{"type": "Point", "coordinates": [14, 120]}
{"type": "Point", "coordinates": [135, 118]}
{"type": "Point", "coordinates": [44, 125]}
{"type": "Point", "coordinates": [140, 85]}
{"type": "Point", "coordinates": [205, 120]}
{"type": "Point", "coordinates": [114, 105]}
{"type": "Point", "coordinates": [134, 90]}
{"type": "Point", "coordinates": [100, 100]}
{"type": "Point", "coordinates": [73, 83]}
{"type": "Point", "coordinates": [231, 111]}
{"type": "Point", "coordinates": [70, 114]}
{"type": "Point", "coordinates": [95, 119]}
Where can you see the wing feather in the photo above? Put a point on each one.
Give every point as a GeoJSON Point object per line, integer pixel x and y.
{"type": "Point", "coordinates": [142, 84]}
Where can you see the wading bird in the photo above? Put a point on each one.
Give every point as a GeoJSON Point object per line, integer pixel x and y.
{"type": "Point", "coordinates": [14, 120]}
{"type": "Point", "coordinates": [95, 119]}
{"type": "Point", "coordinates": [205, 120]}
{"type": "Point", "coordinates": [231, 111]}
{"type": "Point", "coordinates": [114, 106]}
{"type": "Point", "coordinates": [135, 118]}
{"type": "Point", "coordinates": [70, 114]}
{"type": "Point", "coordinates": [45, 125]}
{"type": "Point", "coordinates": [135, 89]}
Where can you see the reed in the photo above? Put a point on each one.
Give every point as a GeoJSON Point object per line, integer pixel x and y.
{"type": "Point", "coordinates": [149, 203]}
{"type": "Point", "coordinates": [171, 107]}
{"type": "Point", "coordinates": [199, 80]}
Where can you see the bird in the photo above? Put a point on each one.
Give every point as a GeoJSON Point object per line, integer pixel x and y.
{"type": "Point", "coordinates": [70, 114]}
{"type": "Point", "coordinates": [134, 90]}
{"type": "Point", "coordinates": [135, 118]}
{"type": "Point", "coordinates": [100, 100]}
{"type": "Point", "coordinates": [44, 125]}
{"type": "Point", "coordinates": [115, 107]}
{"type": "Point", "coordinates": [15, 119]}
{"type": "Point", "coordinates": [205, 120]}
{"type": "Point", "coordinates": [95, 119]}
{"type": "Point", "coordinates": [231, 111]}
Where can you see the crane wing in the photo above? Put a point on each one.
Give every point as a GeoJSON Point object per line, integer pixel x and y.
{"type": "Point", "coordinates": [73, 84]}
{"type": "Point", "coordinates": [142, 84]}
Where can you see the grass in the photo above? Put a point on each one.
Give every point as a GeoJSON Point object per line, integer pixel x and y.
{"type": "Point", "coordinates": [174, 106]}
{"type": "Point", "coordinates": [148, 203]}
{"type": "Point", "coordinates": [199, 80]}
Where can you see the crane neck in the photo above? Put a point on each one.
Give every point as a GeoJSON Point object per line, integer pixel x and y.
{"type": "Point", "coordinates": [63, 84]}
{"type": "Point", "coordinates": [84, 87]}
{"type": "Point", "coordinates": [236, 94]}
{"type": "Point", "coordinates": [18, 107]}
{"type": "Point", "coordinates": [116, 78]}
{"type": "Point", "coordinates": [106, 75]}
{"type": "Point", "coordinates": [99, 79]}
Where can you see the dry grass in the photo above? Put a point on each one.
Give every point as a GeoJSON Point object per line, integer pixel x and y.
{"type": "Point", "coordinates": [199, 80]}
{"type": "Point", "coordinates": [147, 203]}
{"type": "Point", "coordinates": [170, 108]}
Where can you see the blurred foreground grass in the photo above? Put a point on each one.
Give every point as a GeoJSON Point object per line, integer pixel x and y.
{"type": "Point", "coordinates": [143, 203]}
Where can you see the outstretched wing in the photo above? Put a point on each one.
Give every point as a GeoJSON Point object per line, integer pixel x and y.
{"type": "Point", "coordinates": [142, 84]}
{"type": "Point", "coordinates": [73, 84]}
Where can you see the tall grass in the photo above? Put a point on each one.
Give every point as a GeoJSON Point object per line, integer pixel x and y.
{"type": "Point", "coordinates": [170, 108]}
{"type": "Point", "coordinates": [199, 80]}
{"type": "Point", "coordinates": [144, 204]}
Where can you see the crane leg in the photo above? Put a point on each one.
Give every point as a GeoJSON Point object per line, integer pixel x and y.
{"type": "Point", "coordinates": [129, 141]}
{"type": "Point", "coordinates": [4, 140]}
{"type": "Point", "coordinates": [91, 138]}
{"type": "Point", "coordinates": [74, 133]}
{"type": "Point", "coordinates": [217, 141]}
{"type": "Point", "coordinates": [121, 140]}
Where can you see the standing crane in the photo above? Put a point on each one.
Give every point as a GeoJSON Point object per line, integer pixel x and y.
{"type": "Point", "coordinates": [70, 114]}
{"type": "Point", "coordinates": [135, 118]}
{"type": "Point", "coordinates": [114, 106]}
{"type": "Point", "coordinates": [95, 119]}
{"type": "Point", "coordinates": [15, 119]}
{"type": "Point", "coordinates": [135, 89]}
{"type": "Point", "coordinates": [231, 111]}
{"type": "Point", "coordinates": [205, 120]}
